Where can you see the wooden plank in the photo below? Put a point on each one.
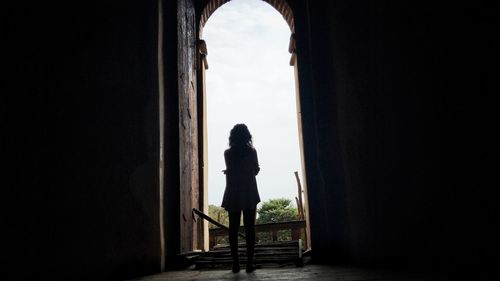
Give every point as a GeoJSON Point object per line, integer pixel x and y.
{"type": "Point", "coordinates": [257, 253]}
{"type": "Point", "coordinates": [221, 226]}
{"type": "Point", "coordinates": [266, 244]}
{"type": "Point", "coordinates": [299, 224]}
{"type": "Point", "coordinates": [268, 254]}
{"type": "Point", "coordinates": [188, 127]}
{"type": "Point", "coordinates": [311, 272]}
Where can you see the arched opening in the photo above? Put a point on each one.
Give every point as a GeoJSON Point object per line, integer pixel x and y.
{"type": "Point", "coordinates": [280, 5]}
{"type": "Point", "coordinates": [204, 93]}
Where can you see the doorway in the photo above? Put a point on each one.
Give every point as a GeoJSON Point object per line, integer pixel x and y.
{"type": "Point", "coordinates": [271, 100]}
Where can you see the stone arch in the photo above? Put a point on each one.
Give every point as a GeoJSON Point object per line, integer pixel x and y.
{"type": "Point", "coordinates": [281, 6]}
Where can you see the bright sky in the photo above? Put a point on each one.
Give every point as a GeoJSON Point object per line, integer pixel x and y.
{"type": "Point", "coordinates": [250, 81]}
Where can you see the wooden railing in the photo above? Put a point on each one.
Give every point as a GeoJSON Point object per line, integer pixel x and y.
{"type": "Point", "coordinates": [297, 228]}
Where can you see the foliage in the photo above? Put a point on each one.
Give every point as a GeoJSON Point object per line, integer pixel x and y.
{"type": "Point", "coordinates": [277, 210]}
{"type": "Point", "coordinates": [273, 210]}
{"type": "Point", "coordinates": [219, 214]}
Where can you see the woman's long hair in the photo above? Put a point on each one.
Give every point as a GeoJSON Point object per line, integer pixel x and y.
{"type": "Point", "coordinates": [240, 137]}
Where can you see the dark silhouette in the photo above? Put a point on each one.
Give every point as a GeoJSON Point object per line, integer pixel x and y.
{"type": "Point", "coordinates": [241, 194]}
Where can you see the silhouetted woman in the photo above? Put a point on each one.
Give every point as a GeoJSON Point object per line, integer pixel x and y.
{"type": "Point", "coordinates": [241, 194]}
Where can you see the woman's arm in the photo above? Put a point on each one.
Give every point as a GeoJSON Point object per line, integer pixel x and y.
{"type": "Point", "coordinates": [256, 162]}
{"type": "Point", "coordinates": [226, 161]}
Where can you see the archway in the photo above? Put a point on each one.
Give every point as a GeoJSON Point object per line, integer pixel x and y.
{"type": "Point", "coordinates": [286, 11]}
{"type": "Point", "coordinates": [280, 5]}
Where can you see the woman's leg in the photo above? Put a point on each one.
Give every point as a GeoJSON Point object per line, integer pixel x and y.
{"type": "Point", "coordinates": [249, 222]}
{"type": "Point", "coordinates": [234, 225]}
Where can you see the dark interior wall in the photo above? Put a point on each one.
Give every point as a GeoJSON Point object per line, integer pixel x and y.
{"type": "Point", "coordinates": [397, 102]}
{"type": "Point", "coordinates": [171, 142]}
{"type": "Point", "coordinates": [81, 112]}
{"type": "Point", "coordinates": [393, 139]}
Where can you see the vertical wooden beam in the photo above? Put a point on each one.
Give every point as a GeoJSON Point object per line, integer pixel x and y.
{"type": "Point", "coordinates": [274, 234]}
{"type": "Point", "coordinates": [205, 157]}
{"type": "Point", "coordinates": [188, 123]}
{"type": "Point", "coordinates": [203, 234]}
{"type": "Point", "coordinates": [305, 203]}
{"type": "Point", "coordinates": [161, 109]}
{"type": "Point", "coordinates": [171, 179]}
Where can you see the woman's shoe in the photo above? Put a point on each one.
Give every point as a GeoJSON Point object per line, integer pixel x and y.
{"type": "Point", "coordinates": [250, 266]}
{"type": "Point", "coordinates": [236, 267]}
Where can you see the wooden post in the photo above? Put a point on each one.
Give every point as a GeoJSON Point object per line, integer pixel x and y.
{"type": "Point", "coordinates": [189, 196]}
{"type": "Point", "coordinates": [299, 214]}
{"type": "Point", "coordinates": [212, 241]}
{"type": "Point", "coordinates": [299, 187]}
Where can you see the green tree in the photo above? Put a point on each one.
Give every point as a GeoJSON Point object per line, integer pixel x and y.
{"type": "Point", "coordinates": [219, 214]}
{"type": "Point", "coordinates": [277, 210]}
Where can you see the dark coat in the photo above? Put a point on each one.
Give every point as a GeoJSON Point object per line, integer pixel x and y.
{"type": "Point", "coordinates": [241, 191]}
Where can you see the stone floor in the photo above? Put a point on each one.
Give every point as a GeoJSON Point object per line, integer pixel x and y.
{"type": "Point", "coordinates": [308, 272]}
